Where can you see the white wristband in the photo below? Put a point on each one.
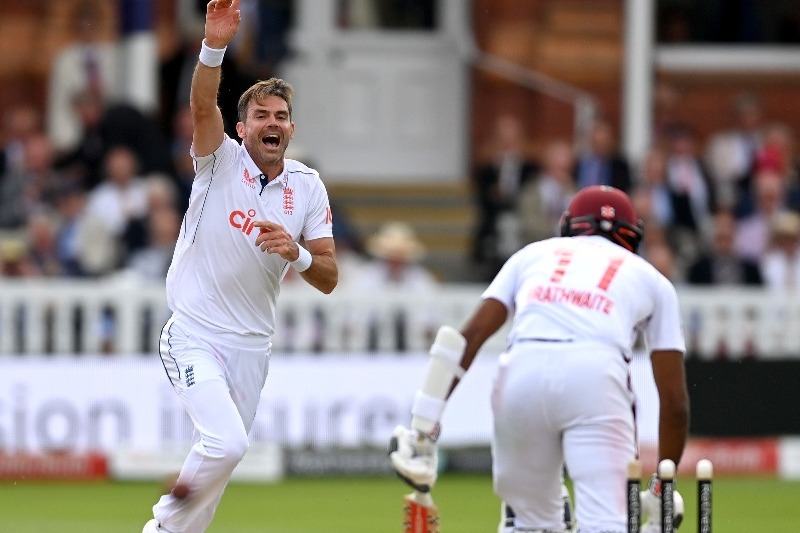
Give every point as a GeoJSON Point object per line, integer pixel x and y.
{"type": "Point", "coordinates": [303, 261]}
{"type": "Point", "coordinates": [211, 57]}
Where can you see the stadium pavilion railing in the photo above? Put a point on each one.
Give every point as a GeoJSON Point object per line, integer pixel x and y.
{"type": "Point", "coordinates": [124, 316]}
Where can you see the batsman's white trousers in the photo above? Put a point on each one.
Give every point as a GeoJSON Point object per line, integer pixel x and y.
{"type": "Point", "coordinates": [218, 379]}
{"type": "Point", "coordinates": [556, 404]}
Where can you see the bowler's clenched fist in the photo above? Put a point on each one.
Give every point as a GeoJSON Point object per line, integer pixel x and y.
{"type": "Point", "coordinates": [274, 239]}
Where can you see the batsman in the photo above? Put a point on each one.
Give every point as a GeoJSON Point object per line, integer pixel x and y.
{"type": "Point", "coordinates": [562, 397]}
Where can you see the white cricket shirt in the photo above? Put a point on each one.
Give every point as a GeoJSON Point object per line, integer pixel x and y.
{"type": "Point", "coordinates": [219, 279]}
{"type": "Point", "coordinates": [587, 288]}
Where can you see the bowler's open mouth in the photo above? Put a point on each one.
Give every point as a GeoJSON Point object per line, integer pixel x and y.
{"type": "Point", "coordinates": [271, 140]}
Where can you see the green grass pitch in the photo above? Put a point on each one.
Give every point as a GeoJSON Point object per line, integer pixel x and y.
{"type": "Point", "coordinates": [350, 505]}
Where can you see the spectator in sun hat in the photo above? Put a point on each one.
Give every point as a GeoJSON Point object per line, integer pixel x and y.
{"type": "Point", "coordinates": [396, 243]}
{"type": "Point", "coordinates": [394, 267]}
{"type": "Point", "coordinates": [780, 264]}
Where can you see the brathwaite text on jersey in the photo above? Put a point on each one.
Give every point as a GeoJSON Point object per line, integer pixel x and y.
{"type": "Point", "coordinates": [591, 300]}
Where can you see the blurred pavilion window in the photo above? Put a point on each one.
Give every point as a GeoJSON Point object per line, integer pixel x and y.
{"type": "Point", "coordinates": [771, 22]}
{"type": "Point", "coordinates": [387, 14]}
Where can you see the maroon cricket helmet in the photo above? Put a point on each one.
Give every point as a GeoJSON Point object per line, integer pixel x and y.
{"type": "Point", "coordinates": [605, 211]}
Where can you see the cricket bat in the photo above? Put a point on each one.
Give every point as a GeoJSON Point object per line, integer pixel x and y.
{"type": "Point", "coordinates": [420, 513]}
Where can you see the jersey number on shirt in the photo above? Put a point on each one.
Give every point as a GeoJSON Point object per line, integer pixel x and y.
{"type": "Point", "coordinates": [565, 258]}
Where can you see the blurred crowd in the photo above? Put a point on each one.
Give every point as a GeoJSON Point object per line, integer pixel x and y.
{"type": "Point", "coordinates": [719, 210]}
{"type": "Point", "coordinates": [94, 185]}
{"type": "Point", "coordinates": [91, 186]}
{"type": "Point", "coordinates": [91, 182]}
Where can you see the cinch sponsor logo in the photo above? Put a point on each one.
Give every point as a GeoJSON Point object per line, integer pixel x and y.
{"type": "Point", "coordinates": [241, 221]}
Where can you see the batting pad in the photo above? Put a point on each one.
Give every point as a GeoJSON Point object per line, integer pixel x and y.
{"type": "Point", "coordinates": [444, 367]}
{"type": "Point", "coordinates": [448, 347]}
{"type": "Point", "coordinates": [445, 362]}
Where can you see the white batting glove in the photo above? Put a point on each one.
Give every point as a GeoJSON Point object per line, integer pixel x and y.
{"type": "Point", "coordinates": [414, 456]}
{"type": "Point", "coordinates": [651, 506]}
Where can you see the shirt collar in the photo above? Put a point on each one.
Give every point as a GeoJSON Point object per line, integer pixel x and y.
{"type": "Point", "coordinates": [254, 171]}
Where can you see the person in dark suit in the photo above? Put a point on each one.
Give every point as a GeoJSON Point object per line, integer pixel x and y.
{"type": "Point", "coordinates": [601, 163]}
{"type": "Point", "coordinates": [105, 127]}
{"type": "Point", "coordinates": [692, 192]}
{"type": "Point", "coordinates": [720, 265]}
{"type": "Point", "coordinates": [497, 184]}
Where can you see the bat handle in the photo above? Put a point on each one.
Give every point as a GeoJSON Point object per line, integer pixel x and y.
{"type": "Point", "coordinates": [423, 498]}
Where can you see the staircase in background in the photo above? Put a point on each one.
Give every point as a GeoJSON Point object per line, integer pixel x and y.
{"type": "Point", "coordinates": [442, 215]}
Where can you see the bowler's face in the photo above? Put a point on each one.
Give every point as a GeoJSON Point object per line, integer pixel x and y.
{"type": "Point", "coordinates": [266, 130]}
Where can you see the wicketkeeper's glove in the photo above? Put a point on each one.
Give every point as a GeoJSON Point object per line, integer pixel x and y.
{"type": "Point", "coordinates": [414, 457]}
{"type": "Point", "coordinates": [651, 506]}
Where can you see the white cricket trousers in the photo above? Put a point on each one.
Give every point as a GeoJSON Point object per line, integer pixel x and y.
{"type": "Point", "coordinates": [219, 379]}
{"type": "Point", "coordinates": [556, 404]}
